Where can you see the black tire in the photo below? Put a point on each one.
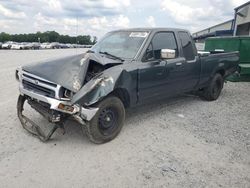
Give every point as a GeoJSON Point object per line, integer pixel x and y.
{"type": "Point", "coordinates": [108, 121]}
{"type": "Point", "coordinates": [212, 92]}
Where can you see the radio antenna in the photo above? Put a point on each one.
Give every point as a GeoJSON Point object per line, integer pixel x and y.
{"type": "Point", "coordinates": [76, 32]}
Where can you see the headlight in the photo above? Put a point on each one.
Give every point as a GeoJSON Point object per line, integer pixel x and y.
{"type": "Point", "coordinates": [68, 93]}
{"type": "Point", "coordinates": [65, 94]}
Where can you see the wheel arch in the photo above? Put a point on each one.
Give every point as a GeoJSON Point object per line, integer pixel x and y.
{"type": "Point", "coordinates": [123, 95]}
{"type": "Point", "coordinates": [222, 72]}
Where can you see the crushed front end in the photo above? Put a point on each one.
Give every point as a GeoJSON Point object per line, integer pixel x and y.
{"type": "Point", "coordinates": [49, 99]}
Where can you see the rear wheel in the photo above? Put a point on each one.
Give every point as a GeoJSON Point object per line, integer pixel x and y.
{"type": "Point", "coordinates": [108, 121]}
{"type": "Point", "coordinates": [212, 92]}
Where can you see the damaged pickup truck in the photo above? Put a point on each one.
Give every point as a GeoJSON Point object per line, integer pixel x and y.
{"type": "Point", "coordinates": [124, 69]}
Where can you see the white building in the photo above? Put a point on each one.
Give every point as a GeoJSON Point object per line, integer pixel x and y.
{"type": "Point", "coordinates": [240, 25]}
{"type": "Point", "coordinates": [242, 19]}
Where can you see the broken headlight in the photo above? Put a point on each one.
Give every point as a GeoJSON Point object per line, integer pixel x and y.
{"type": "Point", "coordinates": [65, 94]}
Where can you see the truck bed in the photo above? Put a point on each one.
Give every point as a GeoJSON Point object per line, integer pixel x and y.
{"type": "Point", "coordinates": [227, 62]}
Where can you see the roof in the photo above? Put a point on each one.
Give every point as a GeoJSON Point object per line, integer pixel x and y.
{"type": "Point", "coordinates": [230, 37]}
{"type": "Point", "coordinates": [243, 5]}
{"type": "Point", "coordinates": [213, 34]}
{"type": "Point", "coordinates": [228, 21]}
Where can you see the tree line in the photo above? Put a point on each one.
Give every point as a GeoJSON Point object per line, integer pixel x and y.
{"type": "Point", "coordinates": [48, 36]}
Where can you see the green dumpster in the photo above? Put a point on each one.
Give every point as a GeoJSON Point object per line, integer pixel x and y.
{"type": "Point", "coordinates": [229, 44]}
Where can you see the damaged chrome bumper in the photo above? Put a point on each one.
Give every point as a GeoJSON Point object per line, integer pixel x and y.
{"type": "Point", "coordinates": [86, 113]}
{"type": "Point", "coordinates": [62, 107]}
{"type": "Point", "coordinates": [55, 103]}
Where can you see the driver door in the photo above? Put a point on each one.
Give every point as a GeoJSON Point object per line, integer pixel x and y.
{"type": "Point", "coordinates": [154, 72]}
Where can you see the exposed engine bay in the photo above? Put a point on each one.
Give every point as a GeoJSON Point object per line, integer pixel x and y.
{"type": "Point", "coordinates": [95, 69]}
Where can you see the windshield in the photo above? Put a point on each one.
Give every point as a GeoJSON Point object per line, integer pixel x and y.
{"type": "Point", "coordinates": [123, 44]}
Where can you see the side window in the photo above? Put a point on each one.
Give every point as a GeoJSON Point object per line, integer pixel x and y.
{"type": "Point", "coordinates": [149, 53]}
{"type": "Point", "coordinates": [187, 47]}
{"type": "Point", "coordinates": [162, 40]}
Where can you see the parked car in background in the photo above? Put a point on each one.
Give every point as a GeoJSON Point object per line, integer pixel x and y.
{"type": "Point", "coordinates": [45, 45]}
{"type": "Point", "coordinates": [62, 45]}
{"type": "Point", "coordinates": [21, 46]}
{"type": "Point", "coordinates": [69, 45]}
{"type": "Point", "coordinates": [27, 45]}
{"type": "Point", "coordinates": [54, 45]}
{"type": "Point", "coordinates": [16, 46]}
{"type": "Point", "coordinates": [35, 45]}
{"type": "Point", "coordinates": [79, 46]}
{"type": "Point", "coordinates": [75, 45]}
{"type": "Point", "coordinates": [7, 45]}
{"type": "Point", "coordinates": [87, 46]}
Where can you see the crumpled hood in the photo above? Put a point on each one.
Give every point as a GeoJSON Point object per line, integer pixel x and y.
{"type": "Point", "coordinates": [68, 72]}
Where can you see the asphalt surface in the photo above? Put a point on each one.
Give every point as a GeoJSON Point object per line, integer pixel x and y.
{"type": "Point", "coordinates": [178, 142]}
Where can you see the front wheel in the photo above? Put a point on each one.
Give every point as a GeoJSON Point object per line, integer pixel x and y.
{"type": "Point", "coordinates": [212, 92]}
{"type": "Point", "coordinates": [108, 121]}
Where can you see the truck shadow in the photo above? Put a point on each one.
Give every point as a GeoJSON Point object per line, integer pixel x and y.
{"type": "Point", "coordinates": [134, 116]}
{"type": "Point", "coordinates": [159, 106]}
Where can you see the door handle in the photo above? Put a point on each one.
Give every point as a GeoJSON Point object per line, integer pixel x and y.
{"type": "Point", "coordinates": [178, 64]}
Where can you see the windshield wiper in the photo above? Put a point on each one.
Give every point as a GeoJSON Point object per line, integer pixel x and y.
{"type": "Point", "coordinates": [111, 55]}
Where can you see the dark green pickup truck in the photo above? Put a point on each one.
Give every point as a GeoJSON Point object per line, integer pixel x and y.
{"type": "Point", "coordinates": [124, 69]}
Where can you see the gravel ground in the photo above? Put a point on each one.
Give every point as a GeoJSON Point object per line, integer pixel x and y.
{"type": "Point", "coordinates": [178, 142]}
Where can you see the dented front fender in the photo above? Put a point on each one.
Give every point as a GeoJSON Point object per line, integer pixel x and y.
{"type": "Point", "coordinates": [99, 87]}
{"type": "Point", "coordinates": [96, 88]}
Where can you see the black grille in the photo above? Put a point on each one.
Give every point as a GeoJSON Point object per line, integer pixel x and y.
{"type": "Point", "coordinates": [38, 89]}
{"type": "Point", "coordinates": [48, 83]}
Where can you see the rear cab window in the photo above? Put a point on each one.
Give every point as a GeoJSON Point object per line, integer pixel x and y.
{"type": "Point", "coordinates": [187, 47]}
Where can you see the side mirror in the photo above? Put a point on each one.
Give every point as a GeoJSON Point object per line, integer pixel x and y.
{"type": "Point", "coordinates": [167, 54]}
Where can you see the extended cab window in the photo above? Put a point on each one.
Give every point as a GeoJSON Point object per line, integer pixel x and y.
{"type": "Point", "coordinates": [162, 40]}
{"type": "Point", "coordinates": [187, 46]}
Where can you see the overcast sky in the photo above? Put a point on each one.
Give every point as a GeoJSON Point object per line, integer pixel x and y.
{"type": "Point", "coordinates": [95, 17]}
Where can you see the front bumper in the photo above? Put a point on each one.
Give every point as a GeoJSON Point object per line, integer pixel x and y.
{"type": "Point", "coordinates": [79, 113]}
{"type": "Point", "coordinates": [86, 113]}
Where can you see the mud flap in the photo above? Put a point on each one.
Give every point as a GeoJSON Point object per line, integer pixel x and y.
{"type": "Point", "coordinates": [31, 126]}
